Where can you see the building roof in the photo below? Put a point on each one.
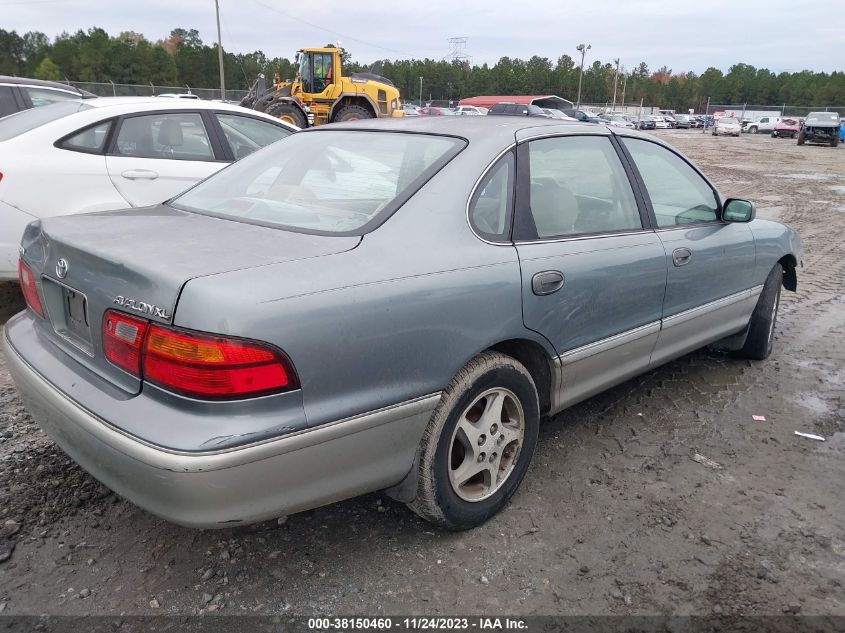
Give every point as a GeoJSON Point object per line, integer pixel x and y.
{"type": "Point", "coordinates": [544, 101]}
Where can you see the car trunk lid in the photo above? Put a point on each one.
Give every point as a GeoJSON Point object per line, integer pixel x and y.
{"type": "Point", "coordinates": [137, 261]}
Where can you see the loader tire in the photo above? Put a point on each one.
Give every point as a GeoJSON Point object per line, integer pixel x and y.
{"type": "Point", "coordinates": [288, 113]}
{"type": "Point", "coordinates": [352, 113]}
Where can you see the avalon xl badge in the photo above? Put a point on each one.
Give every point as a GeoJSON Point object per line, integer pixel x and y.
{"type": "Point", "coordinates": [61, 268]}
{"type": "Point", "coordinates": [140, 306]}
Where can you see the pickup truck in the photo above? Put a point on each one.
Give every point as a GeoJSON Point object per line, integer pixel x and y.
{"type": "Point", "coordinates": [763, 124]}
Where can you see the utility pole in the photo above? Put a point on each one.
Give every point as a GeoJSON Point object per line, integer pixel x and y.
{"type": "Point", "coordinates": [615, 83]}
{"type": "Point", "coordinates": [421, 105]}
{"type": "Point", "coordinates": [624, 85]}
{"type": "Point", "coordinates": [220, 52]}
{"type": "Point", "coordinates": [581, 48]}
{"type": "Point", "coordinates": [706, 114]}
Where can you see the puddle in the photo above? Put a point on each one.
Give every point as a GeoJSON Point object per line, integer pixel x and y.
{"type": "Point", "coordinates": [801, 176]}
{"type": "Point", "coordinates": [837, 188]}
{"type": "Point", "coordinates": [813, 403]}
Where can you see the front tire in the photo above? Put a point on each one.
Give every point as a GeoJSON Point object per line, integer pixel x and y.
{"type": "Point", "coordinates": [761, 327]}
{"type": "Point", "coordinates": [288, 113]}
{"type": "Point", "coordinates": [752, 130]}
{"type": "Point", "coordinates": [478, 444]}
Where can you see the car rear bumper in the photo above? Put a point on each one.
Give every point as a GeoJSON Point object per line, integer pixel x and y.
{"type": "Point", "coordinates": [219, 489]}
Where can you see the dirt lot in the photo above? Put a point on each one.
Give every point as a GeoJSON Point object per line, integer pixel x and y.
{"type": "Point", "coordinates": [614, 516]}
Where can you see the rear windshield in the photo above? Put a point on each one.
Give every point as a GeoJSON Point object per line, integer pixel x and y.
{"type": "Point", "coordinates": [336, 182]}
{"type": "Point", "coordinates": [26, 120]}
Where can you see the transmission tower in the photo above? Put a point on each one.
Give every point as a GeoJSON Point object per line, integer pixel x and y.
{"type": "Point", "coordinates": [458, 51]}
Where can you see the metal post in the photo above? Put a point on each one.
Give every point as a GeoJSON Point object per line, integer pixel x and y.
{"type": "Point", "coordinates": [421, 105]}
{"type": "Point", "coordinates": [220, 52]}
{"type": "Point", "coordinates": [706, 114]}
{"type": "Point", "coordinates": [615, 83]}
{"type": "Point", "coordinates": [113, 89]}
{"type": "Point", "coordinates": [583, 50]}
{"type": "Point", "coordinates": [742, 116]}
{"type": "Point", "coordinates": [624, 85]}
{"type": "Point", "coordinates": [154, 88]}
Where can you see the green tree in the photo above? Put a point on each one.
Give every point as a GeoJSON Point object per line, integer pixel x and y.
{"type": "Point", "coordinates": [48, 70]}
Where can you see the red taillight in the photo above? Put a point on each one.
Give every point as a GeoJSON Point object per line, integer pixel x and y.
{"type": "Point", "coordinates": [195, 364]}
{"type": "Point", "coordinates": [208, 366]}
{"type": "Point", "coordinates": [28, 287]}
{"type": "Point", "coordinates": [123, 340]}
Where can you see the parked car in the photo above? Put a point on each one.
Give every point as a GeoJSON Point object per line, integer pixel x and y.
{"type": "Point", "coordinates": [410, 109]}
{"type": "Point", "coordinates": [471, 110]}
{"type": "Point", "coordinates": [582, 115]}
{"type": "Point", "coordinates": [786, 127]}
{"type": "Point", "coordinates": [617, 120]}
{"type": "Point", "coordinates": [554, 113]}
{"type": "Point", "coordinates": [682, 121]}
{"type": "Point", "coordinates": [517, 109]}
{"type": "Point", "coordinates": [436, 111]}
{"type": "Point", "coordinates": [367, 306]}
{"type": "Point", "coordinates": [763, 124]}
{"type": "Point", "coordinates": [110, 153]}
{"type": "Point", "coordinates": [178, 95]}
{"type": "Point", "coordinates": [19, 93]}
{"type": "Point", "coordinates": [645, 123]}
{"type": "Point", "coordinates": [727, 126]}
{"type": "Point", "coordinates": [660, 122]}
{"type": "Point", "coordinates": [821, 127]}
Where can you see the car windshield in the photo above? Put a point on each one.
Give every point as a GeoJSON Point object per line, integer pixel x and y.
{"type": "Point", "coordinates": [325, 181]}
{"type": "Point", "coordinates": [822, 117]}
{"type": "Point", "coordinates": [729, 120]}
{"type": "Point", "coordinates": [26, 120]}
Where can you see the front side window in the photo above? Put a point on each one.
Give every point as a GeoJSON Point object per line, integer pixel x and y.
{"type": "Point", "coordinates": [490, 207]}
{"type": "Point", "coordinates": [245, 134]}
{"type": "Point", "coordinates": [325, 181]}
{"type": "Point", "coordinates": [679, 195]}
{"type": "Point", "coordinates": [91, 139]}
{"type": "Point", "coordinates": [170, 135]}
{"type": "Point", "coordinates": [45, 96]}
{"type": "Point", "coordinates": [578, 186]}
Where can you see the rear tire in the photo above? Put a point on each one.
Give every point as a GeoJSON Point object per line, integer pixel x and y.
{"type": "Point", "coordinates": [478, 444]}
{"type": "Point", "coordinates": [352, 113]}
{"type": "Point", "coordinates": [288, 113]}
{"type": "Point", "coordinates": [761, 326]}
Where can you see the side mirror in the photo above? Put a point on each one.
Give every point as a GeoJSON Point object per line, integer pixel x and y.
{"type": "Point", "coordinates": [736, 210]}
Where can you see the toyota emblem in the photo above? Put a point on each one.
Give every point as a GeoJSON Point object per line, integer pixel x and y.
{"type": "Point", "coordinates": [61, 268]}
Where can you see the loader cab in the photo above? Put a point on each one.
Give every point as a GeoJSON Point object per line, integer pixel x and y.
{"type": "Point", "coordinates": [318, 69]}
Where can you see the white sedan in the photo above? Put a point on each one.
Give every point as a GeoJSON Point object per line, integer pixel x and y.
{"type": "Point", "coordinates": [727, 126]}
{"type": "Point", "coordinates": [112, 153]}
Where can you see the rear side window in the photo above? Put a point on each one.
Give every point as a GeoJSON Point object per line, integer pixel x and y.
{"type": "Point", "coordinates": [178, 136]}
{"type": "Point", "coordinates": [245, 134]}
{"type": "Point", "coordinates": [578, 186]}
{"type": "Point", "coordinates": [679, 195]}
{"type": "Point", "coordinates": [46, 96]}
{"type": "Point", "coordinates": [91, 139]}
{"type": "Point", "coordinates": [490, 207]}
{"type": "Point", "coordinates": [22, 122]}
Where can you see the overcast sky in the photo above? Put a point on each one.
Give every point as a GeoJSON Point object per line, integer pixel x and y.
{"type": "Point", "coordinates": [774, 34]}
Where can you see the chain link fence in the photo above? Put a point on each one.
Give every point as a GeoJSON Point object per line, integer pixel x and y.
{"type": "Point", "coordinates": [750, 111]}
{"type": "Point", "coordinates": [109, 89]}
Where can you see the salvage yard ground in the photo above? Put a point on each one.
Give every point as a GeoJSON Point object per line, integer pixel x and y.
{"type": "Point", "coordinates": [663, 495]}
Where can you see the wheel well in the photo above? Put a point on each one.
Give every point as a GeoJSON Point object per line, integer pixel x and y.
{"type": "Point", "coordinates": [350, 100]}
{"type": "Point", "coordinates": [790, 276]}
{"type": "Point", "coordinates": [536, 361]}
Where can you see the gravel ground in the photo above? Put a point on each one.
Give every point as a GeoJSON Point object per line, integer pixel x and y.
{"type": "Point", "coordinates": [614, 517]}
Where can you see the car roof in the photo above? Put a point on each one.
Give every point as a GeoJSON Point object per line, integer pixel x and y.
{"type": "Point", "coordinates": [121, 105]}
{"type": "Point", "coordinates": [25, 81]}
{"type": "Point", "coordinates": [480, 128]}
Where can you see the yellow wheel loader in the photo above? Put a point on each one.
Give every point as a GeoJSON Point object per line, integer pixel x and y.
{"type": "Point", "coordinates": [321, 94]}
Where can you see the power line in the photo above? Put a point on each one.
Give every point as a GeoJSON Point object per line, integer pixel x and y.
{"type": "Point", "coordinates": [322, 28]}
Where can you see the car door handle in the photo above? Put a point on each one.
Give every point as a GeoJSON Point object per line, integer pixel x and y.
{"type": "Point", "coordinates": [140, 174]}
{"type": "Point", "coordinates": [547, 282]}
{"type": "Point", "coordinates": [681, 256]}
